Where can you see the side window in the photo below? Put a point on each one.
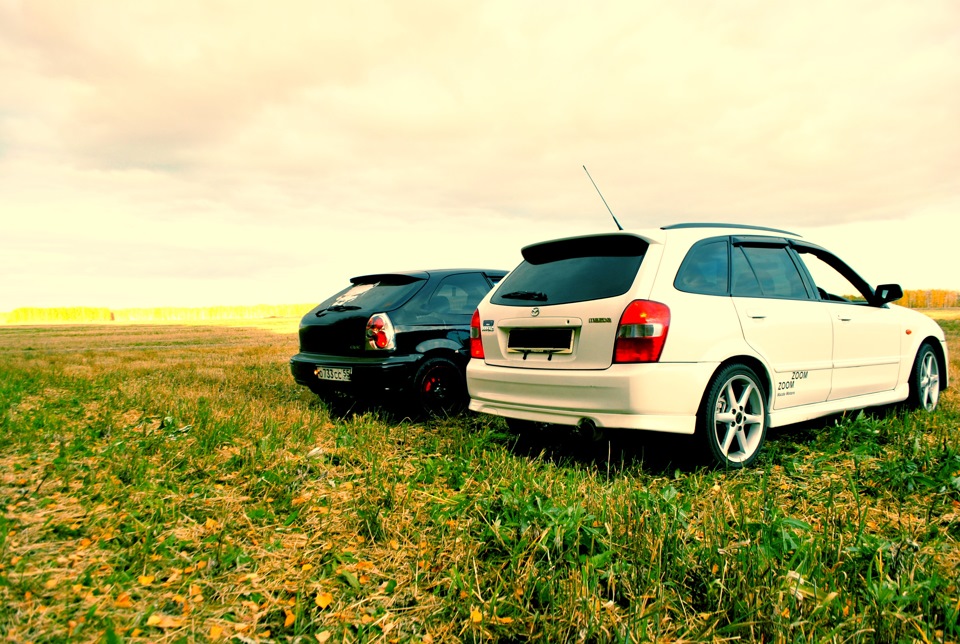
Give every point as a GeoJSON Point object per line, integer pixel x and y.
{"type": "Point", "coordinates": [776, 272]}
{"type": "Point", "coordinates": [745, 282]}
{"type": "Point", "coordinates": [704, 269]}
{"type": "Point", "coordinates": [459, 294]}
{"type": "Point", "coordinates": [832, 285]}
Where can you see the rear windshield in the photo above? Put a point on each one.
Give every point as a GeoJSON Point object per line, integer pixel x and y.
{"type": "Point", "coordinates": [573, 270]}
{"type": "Point", "coordinates": [378, 294]}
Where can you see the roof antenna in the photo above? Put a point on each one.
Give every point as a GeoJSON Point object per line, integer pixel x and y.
{"type": "Point", "coordinates": [619, 227]}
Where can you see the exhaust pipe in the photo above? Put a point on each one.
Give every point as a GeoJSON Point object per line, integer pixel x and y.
{"type": "Point", "coordinates": [589, 430]}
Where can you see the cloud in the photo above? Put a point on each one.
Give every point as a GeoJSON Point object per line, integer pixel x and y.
{"type": "Point", "coordinates": [134, 114]}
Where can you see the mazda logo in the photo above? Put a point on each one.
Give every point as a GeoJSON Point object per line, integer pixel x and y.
{"type": "Point", "coordinates": [535, 311]}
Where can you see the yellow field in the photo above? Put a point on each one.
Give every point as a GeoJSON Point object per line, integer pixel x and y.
{"type": "Point", "coordinates": [225, 315]}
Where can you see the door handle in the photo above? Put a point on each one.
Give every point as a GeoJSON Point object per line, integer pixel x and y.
{"type": "Point", "coordinates": [843, 317]}
{"type": "Point", "coordinates": [756, 315]}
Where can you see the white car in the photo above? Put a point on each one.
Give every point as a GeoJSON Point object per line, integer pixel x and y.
{"type": "Point", "coordinates": [718, 329]}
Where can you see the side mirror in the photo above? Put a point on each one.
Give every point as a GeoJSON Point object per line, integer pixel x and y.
{"type": "Point", "coordinates": [887, 293]}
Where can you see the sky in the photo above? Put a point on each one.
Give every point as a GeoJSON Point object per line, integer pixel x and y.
{"type": "Point", "coordinates": [221, 152]}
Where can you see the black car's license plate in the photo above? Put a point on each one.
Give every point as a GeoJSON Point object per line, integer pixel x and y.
{"type": "Point", "coordinates": [339, 374]}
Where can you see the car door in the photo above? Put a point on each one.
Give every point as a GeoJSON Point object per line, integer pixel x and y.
{"type": "Point", "coordinates": [781, 320]}
{"type": "Point", "coordinates": [866, 338]}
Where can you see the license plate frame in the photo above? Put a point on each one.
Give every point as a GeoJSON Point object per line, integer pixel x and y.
{"type": "Point", "coordinates": [334, 374]}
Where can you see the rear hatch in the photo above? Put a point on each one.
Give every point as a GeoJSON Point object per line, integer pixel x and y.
{"type": "Point", "coordinates": [337, 326]}
{"type": "Point", "coordinates": [561, 307]}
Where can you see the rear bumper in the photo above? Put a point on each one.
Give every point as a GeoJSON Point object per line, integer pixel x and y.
{"type": "Point", "coordinates": [662, 397]}
{"type": "Point", "coordinates": [386, 373]}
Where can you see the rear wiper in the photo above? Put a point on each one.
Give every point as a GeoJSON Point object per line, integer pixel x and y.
{"type": "Point", "coordinates": [339, 307]}
{"type": "Point", "coordinates": [526, 295]}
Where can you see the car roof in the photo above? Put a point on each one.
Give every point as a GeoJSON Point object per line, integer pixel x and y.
{"type": "Point", "coordinates": [691, 232]}
{"type": "Point", "coordinates": [746, 227]}
{"type": "Point", "coordinates": [426, 274]}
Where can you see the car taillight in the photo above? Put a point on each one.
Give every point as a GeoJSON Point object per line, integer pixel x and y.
{"type": "Point", "coordinates": [380, 333]}
{"type": "Point", "coordinates": [476, 342]}
{"type": "Point", "coordinates": [642, 332]}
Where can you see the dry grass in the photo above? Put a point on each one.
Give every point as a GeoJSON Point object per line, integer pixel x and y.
{"type": "Point", "coordinates": [169, 483]}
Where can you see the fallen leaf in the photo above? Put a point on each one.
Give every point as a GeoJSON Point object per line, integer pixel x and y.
{"type": "Point", "coordinates": [323, 636]}
{"type": "Point", "coordinates": [476, 616]}
{"type": "Point", "coordinates": [289, 619]}
{"type": "Point", "coordinates": [164, 621]}
{"type": "Point", "coordinates": [324, 599]}
{"type": "Point", "coordinates": [145, 580]}
{"type": "Point", "coordinates": [123, 601]}
{"type": "Point", "coordinates": [215, 632]}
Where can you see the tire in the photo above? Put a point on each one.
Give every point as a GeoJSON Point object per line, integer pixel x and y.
{"type": "Point", "coordinates": [925, 380]}
{"type": "Point", "coordinates": [733, 416]}
{"type": "Point", "coordinates": [440, 388]}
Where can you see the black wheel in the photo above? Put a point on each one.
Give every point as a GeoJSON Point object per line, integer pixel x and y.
{"type": "Point", "coordinates": [733, 416]}
{"type": "Point", "coordinates": [440, 388]}
{"type": "Point", "coordinates": [925, 379]}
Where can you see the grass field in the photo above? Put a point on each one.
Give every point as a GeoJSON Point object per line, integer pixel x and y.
{"type": "Point", "coordinates": [172, 483]}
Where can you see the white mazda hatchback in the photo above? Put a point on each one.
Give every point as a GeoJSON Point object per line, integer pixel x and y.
{"type": "Point", "coordinates": [717, 329]}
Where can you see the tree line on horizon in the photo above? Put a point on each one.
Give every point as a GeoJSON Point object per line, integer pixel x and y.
{"type": "Point", "coordinates": [914, 299]}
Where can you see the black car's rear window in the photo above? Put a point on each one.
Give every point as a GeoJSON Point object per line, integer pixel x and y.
{"type": "Point", "coordinates": [573, 270]}
{"type": "Point", "coordinates": [376, 293]}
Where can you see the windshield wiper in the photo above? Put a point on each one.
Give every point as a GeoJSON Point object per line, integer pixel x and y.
{"type": "Point", "coordinates": [536, 296]}
{"type": "Point", "coordinates": [338, 308]}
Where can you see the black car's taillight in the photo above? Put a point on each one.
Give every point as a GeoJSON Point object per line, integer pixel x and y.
{"type": "Point", "coordinates": [380, 333]}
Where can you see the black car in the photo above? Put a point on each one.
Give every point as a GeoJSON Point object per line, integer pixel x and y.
{"type": "Point", "coordinates": [392, 335]}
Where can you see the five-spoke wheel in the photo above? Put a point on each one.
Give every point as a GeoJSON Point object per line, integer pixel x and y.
{"type": "Point", "coordinates": [925, 380]}
{"type": "Point", "coordinates": [733, 416]}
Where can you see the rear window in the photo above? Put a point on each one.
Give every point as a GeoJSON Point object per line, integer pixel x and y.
{"type": "Point", "coordinates": [573, 270]}
{"type": "Point", "coordinates": [375, 294]}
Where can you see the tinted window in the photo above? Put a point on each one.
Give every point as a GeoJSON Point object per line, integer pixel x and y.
{"type": "Point", "coordinates": [774, 270]}
{"type": "Point", "coordinates": [573, 270]}
{"type": "Point", "coordinates": [454, 298]}
{"type": "Point", "coordinates": [383, 293]}
{"type": "Point", "coordinates": [704, 270]}
{"type": "Point", "coordinates": [745, 283]}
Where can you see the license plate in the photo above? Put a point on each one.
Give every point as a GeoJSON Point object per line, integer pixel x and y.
{"type": "Point", "coordinates": [334, 373]}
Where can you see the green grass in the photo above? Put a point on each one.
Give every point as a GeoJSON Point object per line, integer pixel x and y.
{"type": "Point", "coordinates": [170, 483]}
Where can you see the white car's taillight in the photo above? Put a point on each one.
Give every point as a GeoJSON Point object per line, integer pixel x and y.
{"type": "Point", "coordinates": [476, 342]}
{"type": "Point", "coordinates": [642, 332]}
{"type": "Point", "coordinates": [380, 333]}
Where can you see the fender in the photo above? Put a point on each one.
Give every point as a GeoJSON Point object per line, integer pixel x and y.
{"type": "Point", "coordinates": [444, 344]}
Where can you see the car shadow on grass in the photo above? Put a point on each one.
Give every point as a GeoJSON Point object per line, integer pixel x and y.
{"type": "Point", "coordinates": [610, 451]}
{"type": "Point", "coordinates": [616, 450]}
